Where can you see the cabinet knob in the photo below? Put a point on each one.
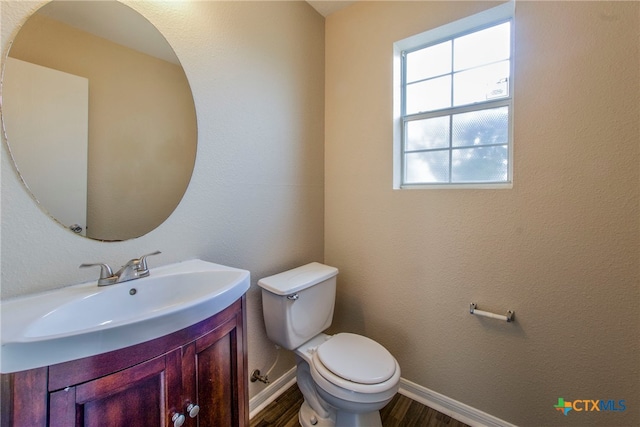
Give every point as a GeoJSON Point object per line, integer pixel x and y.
{"type": "Point", "coordinates": [178, 419]}
{"type": "Point", "coordinates": [193, 410]}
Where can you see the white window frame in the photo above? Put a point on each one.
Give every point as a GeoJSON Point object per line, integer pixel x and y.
{"type": "Point", "coordinates": [504, 12]}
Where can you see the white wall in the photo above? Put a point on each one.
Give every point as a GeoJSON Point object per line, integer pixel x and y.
{"type": "Point", "coordinates": [255, 200]}
{"type": "Point", "coordinates": [561, 248]}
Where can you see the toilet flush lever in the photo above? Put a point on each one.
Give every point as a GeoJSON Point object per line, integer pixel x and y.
{"type": "Point", "coordinates": [293, 297]}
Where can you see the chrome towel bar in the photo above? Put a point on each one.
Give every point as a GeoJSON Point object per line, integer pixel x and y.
{"type": "Point", "coordinates": [509, 316]}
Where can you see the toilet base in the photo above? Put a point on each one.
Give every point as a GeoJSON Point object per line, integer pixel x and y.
{"type": "Point", "coordinates": [308, 418]}
{"type": "Point", "coordinates": [367, 419]}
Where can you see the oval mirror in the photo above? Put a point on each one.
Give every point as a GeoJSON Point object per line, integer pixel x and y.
{"type": "Point", "coordinates": [99, 118]}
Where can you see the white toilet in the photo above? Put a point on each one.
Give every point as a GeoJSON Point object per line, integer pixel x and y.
{"type": "Point", "coordinates": [345, 378]}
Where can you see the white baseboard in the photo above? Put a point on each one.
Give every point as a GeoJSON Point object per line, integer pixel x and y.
{"type": "Point", "coordinates": [258, 402]}
{"type": "Point", "coordinates": [441, 403]}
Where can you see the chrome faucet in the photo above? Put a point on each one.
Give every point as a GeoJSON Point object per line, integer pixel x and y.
{"type": "Point", "coordinates": [134, 269]}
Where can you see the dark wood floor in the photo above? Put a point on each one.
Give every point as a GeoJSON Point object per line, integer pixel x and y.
{"type": "Point", "coordinates": [401, 411]}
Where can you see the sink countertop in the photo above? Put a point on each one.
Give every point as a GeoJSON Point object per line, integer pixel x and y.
{"type": "Point", "coordinates": [84, 320]}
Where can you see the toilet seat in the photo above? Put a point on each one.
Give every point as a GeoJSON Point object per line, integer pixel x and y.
{"type": "Point", "coordinates": [356, 358]}
{"type": "Point", "coordinates": [356, 363]}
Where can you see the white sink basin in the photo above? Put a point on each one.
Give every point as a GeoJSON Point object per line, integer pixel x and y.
{"type": "Point", "coordinates": [85, 320]}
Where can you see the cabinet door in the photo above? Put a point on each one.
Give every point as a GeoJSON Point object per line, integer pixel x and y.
{"type": "Point", "coordinates": [143, 395]}
{"type": "Point", "coordinates": [214, 377]}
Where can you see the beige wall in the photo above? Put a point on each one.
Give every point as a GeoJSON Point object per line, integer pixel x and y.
{"type": "Point", "coordinates": [142, 126]}
{"type": "Point", "coordinates": [255, 200]}
{"type": "Point", "coordinates": [561, 248]}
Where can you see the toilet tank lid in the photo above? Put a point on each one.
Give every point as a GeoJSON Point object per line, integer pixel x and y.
{"type": "Point", "coordinates": [291, 281]}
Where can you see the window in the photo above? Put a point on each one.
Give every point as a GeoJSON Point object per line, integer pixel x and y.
{"type": "Point", "coordinates": [454, 95]}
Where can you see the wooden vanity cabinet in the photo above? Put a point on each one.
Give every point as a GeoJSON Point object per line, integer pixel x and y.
{"type": "Point", "coordinates": [144, 385]}
{"type": "Point", "coordinates": [136, 396]}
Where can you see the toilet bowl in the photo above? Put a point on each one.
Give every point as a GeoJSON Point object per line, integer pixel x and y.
{"type": "Point", "coordinates": [345, 378]}
{"type": "Point", "coordinates": [354, 377]}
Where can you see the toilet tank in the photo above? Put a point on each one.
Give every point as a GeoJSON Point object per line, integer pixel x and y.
{"type": "Point", "coordinates": [298, 304]}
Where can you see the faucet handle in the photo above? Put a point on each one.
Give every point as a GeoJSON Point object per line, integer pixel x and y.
{"type": "Point", "coordinates": [143, 268]}
{"type": "Point", "coordinates": [106, 273]}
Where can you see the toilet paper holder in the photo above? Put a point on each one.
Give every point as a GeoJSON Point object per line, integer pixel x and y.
{"type": "Point", "coordinates": [509, 317]}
